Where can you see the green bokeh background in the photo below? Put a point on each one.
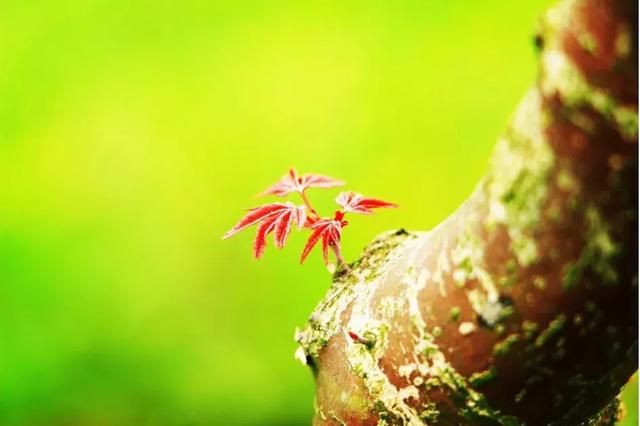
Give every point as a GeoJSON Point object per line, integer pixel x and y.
{"type": "Point", "coordinates": [132, 133]}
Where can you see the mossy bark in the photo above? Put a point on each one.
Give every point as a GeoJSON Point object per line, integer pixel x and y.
{"type": "Point", "coordinates": [520, 308]}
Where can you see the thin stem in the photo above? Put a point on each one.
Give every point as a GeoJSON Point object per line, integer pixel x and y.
{"type": "Point", "coordinates": [308, 204]}
{"type": "Point", "coordinates": [339, 258]}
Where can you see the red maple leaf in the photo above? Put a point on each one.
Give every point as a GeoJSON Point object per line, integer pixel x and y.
{"type": "Point", "coordinates": [295, 183]}
{"type": "Point", "coordinates": [279, 217]}
{"type": "Point", "coordinates": [327, 229]}
{"type": "Point", "coordinates": [274, 217]}
{"type": "Point", "coordinates": [355, 203]}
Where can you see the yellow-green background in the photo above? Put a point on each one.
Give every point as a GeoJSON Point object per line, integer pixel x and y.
{"type": "Point", "coordinates": [132, 133]}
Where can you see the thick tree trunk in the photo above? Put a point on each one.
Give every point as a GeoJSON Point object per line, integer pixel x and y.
{"type": "Point", "coordinates": [520, 308]}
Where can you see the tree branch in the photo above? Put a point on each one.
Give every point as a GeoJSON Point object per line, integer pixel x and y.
{"type": "Point", "coordinates": [521, 307]}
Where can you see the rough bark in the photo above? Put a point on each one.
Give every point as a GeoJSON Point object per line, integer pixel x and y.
{"type": "Point", "coordinates": [521, 307]}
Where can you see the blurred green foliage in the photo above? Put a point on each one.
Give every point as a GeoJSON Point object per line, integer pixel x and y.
{"type": "Point", "coordinates": [133, 133]}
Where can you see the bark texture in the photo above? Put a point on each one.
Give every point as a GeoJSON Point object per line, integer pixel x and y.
{"type": "Point", "coordinates": [520, 308]}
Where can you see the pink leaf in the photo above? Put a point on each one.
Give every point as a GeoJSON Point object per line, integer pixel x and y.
{"type": "Point", "coordinates": [327, 229]}
{"type": "Point", "coordinates": [260, 242]}
{"type": "Point", "coordinates": [311, 242]}
{"type": "Point", "coordinates": [295, 183]}
{"type": "Point", "coordinates": [255, 215]}
{"type": "Point", "coordinates": [325, 247]}
{"type": "Point", "coordinates": [301, 216]}
{"type": "Point", "coordinates": [276, 217]}
{"type": "Point", "coordinates": [283, 227]}
{"type": "Point", "coordinates": [318, 181]}
{"type": "Point", "coordinates": [355, 203]}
